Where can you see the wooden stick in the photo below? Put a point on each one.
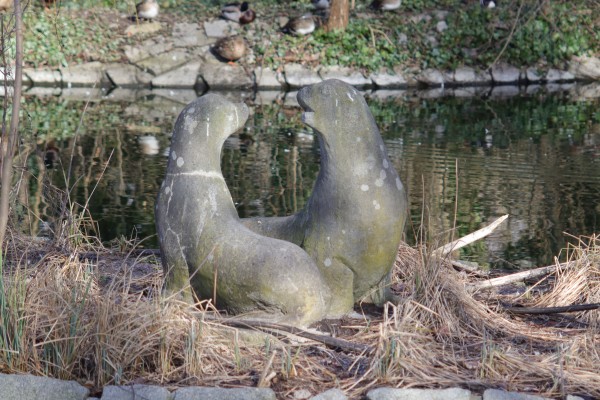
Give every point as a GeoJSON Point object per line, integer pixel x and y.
{"type": "Point", "coordinates": [470, 238]}
{"type": "Point", "coordinates": [519, 276]}
{"type": "Point", "coordinates": [552, 310]}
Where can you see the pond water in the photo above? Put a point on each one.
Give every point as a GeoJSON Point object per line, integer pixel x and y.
{"type": "Point", "coordinates": [465, 161]}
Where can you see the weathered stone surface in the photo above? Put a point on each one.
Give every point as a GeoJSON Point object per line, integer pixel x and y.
{"type": "Point", "coordinates": [297, 76]}
{"type": "Point", "coordinates": [183, 76]}
{"type": "Point", "coordinates": [148, 48]}
{"type": "Point", "coordinates": [143, 28]}
{"type": "Point", "coordinates": [200, 233]}
{"type": "Point", "coordinates": [82, 75]}
{"type": "Point", "coordinates": [347, 75]}
{"type": "Point", "coordinates": [555, 75]}
{"type": "Point", "coordinates": [431, 77]}
{"type": "Point", "coordinates": [389, 80]}
{"type": "Point", "coordinates": [126, 75]}
{"type": "Point", "coordinates": [494, 394]}
{"type": "Point", "coordinates": [190, 35]}
{"type": "Point", "coordinates": [26, 387]}
{"type": "Point", "coordinates": [533, 75]}
{"type": "Point", "coordinates": [135, 392]}
{"type": "Point", "coordinates": [354, 219]}
{"type": "Point", "coordinates": [504, 73]}
{"type": "Point", "coordinates": [470, 76]}
{"type": "Point", "coordinates": [220, 76]}
{"type": "Point", "coordinates": [266, 78]}
{"type": "Point", "coordinates": [44, 77]}
{"type": "Point", "coordinates": [585, 68]}
{"type": "Point", "coordinates": [164, 62]}
{"type": "Point", "coordinates": [196, 393]}
{"type": "Point", "coordinates": [421, 394]}
{"type": "Point", "coordinates": [219, 28]}
{"type": "Point", "coordinates": [331, 394]}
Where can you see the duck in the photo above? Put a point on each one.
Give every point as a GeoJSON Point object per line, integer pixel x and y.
{"type": "Point", "coordinates": [303, 25]}
{"type": "Point", "coordinates": [320, 4]}
{"type": "Point", "coordinates": [240, 13]}
{"type": "Point", "coordinates": [230, 48]}
{"type": "Point", "coordinates": [147, 9]}
{"type": "Point", "coordinates": [386, 5]}
{"type": "Point", "coordinates": [487, 3]}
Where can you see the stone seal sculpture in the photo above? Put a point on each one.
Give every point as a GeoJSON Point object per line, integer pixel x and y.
{"type": "Point", "coordinates": [203, 242]}
{"type": "Point", "coordinates": [354, 220]}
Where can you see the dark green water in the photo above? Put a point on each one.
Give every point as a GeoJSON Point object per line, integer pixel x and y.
{"type": "Point", "coordinates": [534, 156]}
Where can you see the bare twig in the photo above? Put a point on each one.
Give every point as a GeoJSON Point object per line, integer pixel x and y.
{"type": "Point", "coordinates": [552, 310]}
{"type": "Point", "coordinates": [470, 238]}
{"type": "Point", "coordinates": [519, 276]}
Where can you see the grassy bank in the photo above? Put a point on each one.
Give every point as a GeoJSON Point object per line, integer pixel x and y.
{"type": "Point", "coordinates": [524, 33]}
{"type": "Point", "coordinates": [73, 309]}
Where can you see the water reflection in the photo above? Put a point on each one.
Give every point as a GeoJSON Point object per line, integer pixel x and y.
{"type": "Point", "coordinates": [534, 156]}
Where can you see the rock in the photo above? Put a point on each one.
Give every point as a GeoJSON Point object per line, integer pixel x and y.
{"type": "Point", "coordinates": [504, 73]}
{"type": "Point", "coordinates": [585, 68]}
{"type": "Point", "coordinates": [571, 397]}
{"type": "Point", "coordinates": [190, 35]}
{"type": "Point", "coordinates": [196, 393]}
{"type": "Point", "coordinates": [164, 62]}
{"type": "Point", "coordinates": [88, 74]}
{"type": "Point", "coordinates": [220, 28]}
{"type": "Point", "coordinates": [225, 76]}
{"type": "Point", "coordinates": [301, 394]}
{"type": "Point", "coordinates": [331, 394]}
{"type": "Point", "coordinates": [126, 75]}
{"type": "Point", "coordinates": [441, 26]}
{"type": "Point", "coordinates": [555, 75]}
{"type": "Point", "coordinates": [348, 75]}
{"type": "Point", "coordinates": [183, 76]}
{"type": "Point", "coordinates": [135, 392]}
{"type": "Point", "coordinates": [387, 80]}
{"type": "Point", "coordinates": [297, 76]}
{"type": "Point", "coordinates": [148, 48]}
{"type": "Point", "coordinates": [199, 231]}
{"type": "Point", "coordinates": [421, 394]}
{"type": "Point", "coordinates": [143, 28]}
{"type": "Point", "coordinates": [589, 91]}
{"type": "Point", "coordinates": [266, 78]}
{"type": "Point", "coordinates": [464, 75]}
{"type": "Point", "coordinates": [354, 219]}
{"type": "Point", "coordinates": [431, 77]}
{"type": "Point", "coordinates": [43, 77]}
{"type": "Point", "coordinates": [26, 387]}
{"type": "Point", "coordinates": [532, 75]}
{"type": "Point", "coordinates": [494, 394]}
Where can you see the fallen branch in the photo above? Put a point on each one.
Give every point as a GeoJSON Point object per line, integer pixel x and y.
{"type": "Point", "coordinates": [552, 310]}
{"type": "Point", "coordinates": [519, 276]}
{"type": "Point", "coordinates": [470, 238]}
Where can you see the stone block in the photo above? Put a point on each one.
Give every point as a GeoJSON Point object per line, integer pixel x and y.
{"type": "Point", "coordinates": [495, 394]}
{"type": "Point", "coordinates": [161, 63]}
{"type": "Point", "coordinates": [225, 76]}
{"type": "Point", "coordinates": [389, 80]}
{"type": "Point", "coordinates": [25, 387]}
{"type": "Point", "coordinates": [220, 28]}
{"type": "Point", "coordinates": [266, 78]}
{"type": "Point", "coordinates": [297, 76]}
{"type": "Point", "coordinates": [88, 74]}
{"type": "Point", "coordinates": [43, 77]}
{"type": "Point", "coordinates": [148, 48]}
{"type": "Point", "coordinates": [135, 392]}
{"type": "Point", "coordinates": [195, 393]}
{"type": "Point", "coordinates": [183, 76]}
{"type": "Point", "coordinates": [126, 75]}
{"type": "Point", "coordinates": [585, 68]}
{"type": "Point", "coordinates": [421, 394]}
{"type": "Point", "coordinates": [331, 394]}
{"type": "Point", "coordinates": [555, 75]}
{"type": "Point", "coordinates": [431, 77]}
{"type": "Point", "coordinates": [348, 75]}
{"type": "Point", "coordinates": [532, 75]}
{"type": "Point", "coordinates": [190, 35]}
{"type": "Point", "coordinates": [143, 28]}
{"type": "Point", "coordinates": [504, 73]}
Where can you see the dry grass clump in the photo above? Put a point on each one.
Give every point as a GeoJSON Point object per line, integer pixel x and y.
{"type": "Point", "coordinates": [99, 317]}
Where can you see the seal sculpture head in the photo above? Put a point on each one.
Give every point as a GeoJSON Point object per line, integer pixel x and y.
{"type": "Point", "coordinates": [203, 242]}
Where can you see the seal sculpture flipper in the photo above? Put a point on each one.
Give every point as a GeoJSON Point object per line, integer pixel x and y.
{"type": "Point", "coordinates": [354, 220]}
{"type": "Point", "coordinates": [201, 238]}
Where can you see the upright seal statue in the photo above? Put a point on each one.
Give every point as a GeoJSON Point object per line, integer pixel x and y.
{"type": "Point", "coordinates": [354, 220]}
{"type": "Point", "coordinates": [203, 242]}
